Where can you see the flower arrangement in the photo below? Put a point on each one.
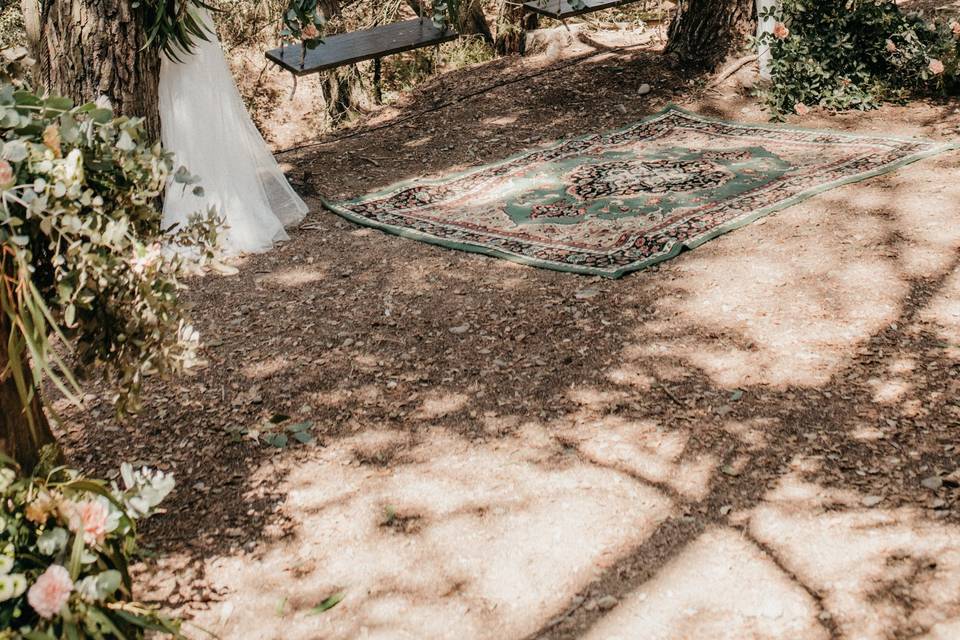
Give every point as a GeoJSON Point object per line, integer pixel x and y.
{"type": "Point", "coordinates": [80, 238]}
{"type": "Point", "coordinates": [64, 548]}
{"type": "Point", "coordinates": [303, 20]}
{"type": "Point", "coordinates": [855, 54]}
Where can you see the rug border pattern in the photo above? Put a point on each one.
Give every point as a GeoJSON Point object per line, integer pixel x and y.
{"type": "Point", "coordinates": [407, 232]}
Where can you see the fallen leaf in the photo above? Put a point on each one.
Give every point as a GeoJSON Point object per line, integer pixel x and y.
{"type": "Point", "coordinates": [327, 604]}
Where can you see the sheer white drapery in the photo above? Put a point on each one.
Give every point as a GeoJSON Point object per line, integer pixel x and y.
{"type": "Point", "coordinates": [765, 26]}
{"type": "Point", "coordinates": [205, 123]}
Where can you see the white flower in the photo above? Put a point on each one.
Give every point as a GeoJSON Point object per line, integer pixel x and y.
{"type": "Point", "coordinates": [12, 586]}
{"type": "Point", "coordinates": [99, 587]}
{"type": "Point", "coordinates": [7, 476]}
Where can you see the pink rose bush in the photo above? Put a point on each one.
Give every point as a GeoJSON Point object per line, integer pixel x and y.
{"type": "Point", "coordinates": [886, 54]}
{"type": "Point", "coordinates": [64, 552]}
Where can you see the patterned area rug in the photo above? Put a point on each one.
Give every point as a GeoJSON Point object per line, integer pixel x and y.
{"type": "Point", "coordinates": [607, 204]}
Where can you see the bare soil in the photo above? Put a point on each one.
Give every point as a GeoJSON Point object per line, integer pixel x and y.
{"type": "Point", "coordinates": [757, 439]}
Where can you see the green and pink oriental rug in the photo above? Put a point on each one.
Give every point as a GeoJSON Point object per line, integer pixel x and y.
{"type": "Point", "coordinates": [607, 204]}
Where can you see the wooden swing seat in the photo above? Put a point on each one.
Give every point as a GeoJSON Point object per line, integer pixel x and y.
{"type": "Point", "coordinates": [358, 46]}
{"type": "Point", "coordinates": [562, 9]}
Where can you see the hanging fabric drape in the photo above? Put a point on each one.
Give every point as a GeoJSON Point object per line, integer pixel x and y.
{"type": "Point", "coordinates": [765, 25]}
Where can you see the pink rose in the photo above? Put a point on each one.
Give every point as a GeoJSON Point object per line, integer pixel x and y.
{"type": "Point", "coordinates": [310, 32]}
{"type": "Point", "coordinates": [6, 173]}
{"type": "Point", "coordinates": [801, 109]}
{"type": "Point", "coordinates": [781, 31]}
{"type": "Point", "coordinates": [88, 518]}
{"type": "Point", "coordinates": [936, 67]}
{"type": "Point", "coordinates": [51, 591]}
{"type": "Point", "coordinates": [955, 28]}
{"type": "Point", "coordinates": [891, 46]}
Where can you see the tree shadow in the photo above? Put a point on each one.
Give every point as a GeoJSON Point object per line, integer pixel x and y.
{"type": "Point", "coordinates": [555, 448]}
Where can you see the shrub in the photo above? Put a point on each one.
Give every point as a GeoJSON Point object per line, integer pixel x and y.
{"type": "Point", "coordinates": [855, 54]}
{"type": "Point", "coordinates": [65, 543]}
{"type": "Point", "coordinates": [81, 243]}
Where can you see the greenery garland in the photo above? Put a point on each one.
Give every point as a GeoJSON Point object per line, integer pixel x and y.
{"type": "Point", "coordinates": [81, 244]}
{"type": "Point", "coordinates": [173, 26]}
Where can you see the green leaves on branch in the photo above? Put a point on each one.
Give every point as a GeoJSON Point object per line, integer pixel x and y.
{"type": "Point", "coordinates": [304, 21]}
{"type": "Point", "coordinates": [855, 54]}
{"type": "Point", "coordinates": [173, 26]}
{"type": "Point", "coordinates": [82, 255]}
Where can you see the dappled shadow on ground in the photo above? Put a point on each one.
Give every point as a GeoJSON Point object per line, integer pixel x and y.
{"type": "Point", "coordinates": [730, 445]}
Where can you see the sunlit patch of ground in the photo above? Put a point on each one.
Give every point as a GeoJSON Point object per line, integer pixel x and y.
{"type": "Point", "coordinates": [720, 587]}
{"type": "Point", "coordinates": [753, 440]}
{"type": "Point", "coordinates": [502, 535]}
{"type": "Point", "coordinates": [880, 573]}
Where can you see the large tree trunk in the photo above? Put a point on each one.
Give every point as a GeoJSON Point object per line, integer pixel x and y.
{"type": "Point", "coordinates": [472, 21]}
{"type": "Point", "coordinates": [513, 22]}
{"type": "Point", "coordinates": [704, 33]}
{"type": "Point", "coordinates": [91, 48]}
{"type": "Point", "coordinates": [18, 438]}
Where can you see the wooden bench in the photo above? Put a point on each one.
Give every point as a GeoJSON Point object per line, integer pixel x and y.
{"type": "Point", "coordinates": [562, 9]}
{"type": "Point", "coordinates": [358, 46]}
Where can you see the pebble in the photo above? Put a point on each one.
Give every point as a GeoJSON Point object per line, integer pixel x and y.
{"type": "Point", "coordinates": [644, 89]}
{"type": "Point", "coordinates": [953, 480]}
{"type": "Point", "coordinates": [872, 501]}
{"type": "Point", "coordinates": [607, 602]}
{"type": "Point", "coordinates": [933, 482]}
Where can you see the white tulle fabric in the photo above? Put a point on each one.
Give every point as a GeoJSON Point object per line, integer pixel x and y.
{"type": "Point", "coordinates": [206, 125]}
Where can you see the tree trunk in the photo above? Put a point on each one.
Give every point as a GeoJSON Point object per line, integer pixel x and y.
{"type": "Point", "coordinates": [343, 92]}
{"type": "Point", "coordinates": [92, 48]}
{"type": "Point", "coordinates": [472, 21]}
{"type": "Point", "coordinates": [704, 33]}
{"type": "Point", "coordinates": [513, 22]}
{"type": "Point", "coordinates": [18, 439]}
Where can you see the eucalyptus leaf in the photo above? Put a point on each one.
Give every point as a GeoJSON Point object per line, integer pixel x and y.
{"type": "Point", "coordinates": [278, 440]}
{"type": "Point", "coordinates": [328, 604]}
{"type": "Point", "coordinates": [52, 541]}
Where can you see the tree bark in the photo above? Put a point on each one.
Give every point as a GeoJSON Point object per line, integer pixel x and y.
{"type": "Point", "coordinates": [513, 23]}
{"type": "Point", "coordinates": [18, 439]}
{"type": "Point", "coordinates": [704, 33]}
{"type": "Point", "coordinates": [472, 21]}
{"type": "Point", "coordinates": [92, 48]}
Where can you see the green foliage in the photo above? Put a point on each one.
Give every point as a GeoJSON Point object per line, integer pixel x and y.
{"type": "Point", "coordinates": [81, 244]}
{"type": "Point", "coordinates": [65, 545]}
{"type": "Point", "coordinates": [172, 26]}
{"type": "Point", "coordinates": [304, 21]}
{"type": "Point", "coordinates": [855, 54]}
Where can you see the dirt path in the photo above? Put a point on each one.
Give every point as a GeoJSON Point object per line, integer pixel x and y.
{"type": "Point", "coordinates": [733, 445]}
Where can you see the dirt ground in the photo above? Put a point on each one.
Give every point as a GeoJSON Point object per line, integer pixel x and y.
{"type": "Point", "coordinates": [757, 439]}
